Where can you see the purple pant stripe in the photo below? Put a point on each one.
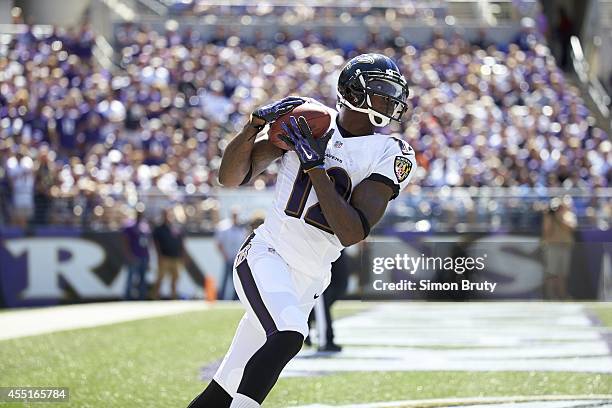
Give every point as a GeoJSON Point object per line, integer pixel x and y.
{"type": "Point", "coordinates": [254, 298]}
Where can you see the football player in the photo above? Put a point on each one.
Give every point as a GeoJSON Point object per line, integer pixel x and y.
{"type": "Point", "coordinates": [329, 193]}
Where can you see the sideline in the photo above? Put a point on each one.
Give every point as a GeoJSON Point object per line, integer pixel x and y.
{"type": "Point", "coordinates": [33, 322]}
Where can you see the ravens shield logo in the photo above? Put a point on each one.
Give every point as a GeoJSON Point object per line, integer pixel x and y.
{"type": "Point", "coordinates": [403, 166]}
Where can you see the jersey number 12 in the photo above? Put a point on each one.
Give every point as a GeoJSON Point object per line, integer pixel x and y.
{"type": "Point", "coordinates": [301, 190]}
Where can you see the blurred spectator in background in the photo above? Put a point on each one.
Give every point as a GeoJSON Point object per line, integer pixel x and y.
{"type": "Point", "coordinates": [136, 241]}
{"type": "Point", "coordinates": [558, 228]}
{"type": "Point", "coordinates": [43, 181]}
{"type": "Point", "coordinates": [5, 187]}
{"type": "Point", "coordinates": [542, 22]}
{"type": "Point", "coordinates": [4, 200]}
{"type": "Point", "coordinates": [230, 235]}
{"type": "Point", "coordinates": [20, 170]}
{"type": "Point", "coordinates": [257, 218]}
{"type": "Point", "coordinates": [168, 239]}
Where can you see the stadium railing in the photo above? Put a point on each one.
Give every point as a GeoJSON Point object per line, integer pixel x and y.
{"type": "Point", "coordinates": [444, 209]}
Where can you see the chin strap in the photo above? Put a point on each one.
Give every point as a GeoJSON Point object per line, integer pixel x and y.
{"type": "Point", "coordinates": [376, 118]}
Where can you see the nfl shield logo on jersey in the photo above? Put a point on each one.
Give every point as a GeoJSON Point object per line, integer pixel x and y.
{"type": "Point", "coordinates": [406, 149]}
{"type": "Point", "coordinates": [337, 144]}
{"type": "Point", "coordinates": [402, 168]}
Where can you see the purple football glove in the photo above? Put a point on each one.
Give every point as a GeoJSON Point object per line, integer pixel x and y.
{"type": "Point", "coordinates": [310, 151]}
{"type": "Point", "coordinates": [273, 111]}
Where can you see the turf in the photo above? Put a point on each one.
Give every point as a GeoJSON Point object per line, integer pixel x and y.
{"type": "Point", "coordinates": [151, 362]}
{"type": "Point", "coordinates": [156, 362]}
{"type": "Point", "coordinates": [365, 387]}
{"type": "Point", "coordinates": [603, 312]}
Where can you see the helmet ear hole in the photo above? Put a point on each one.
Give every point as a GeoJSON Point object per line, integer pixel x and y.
{"type": "Point", "coordinates": [357, 95]}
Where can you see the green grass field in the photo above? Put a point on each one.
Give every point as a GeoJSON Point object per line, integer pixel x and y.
{"type": "Point", "coordinates": [603, 311]}
{"type": "Point", "coordinates": [156, 362]}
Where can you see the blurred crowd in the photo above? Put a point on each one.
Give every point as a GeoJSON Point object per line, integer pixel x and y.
{"type": "Point", "coordinates": [81, 144]}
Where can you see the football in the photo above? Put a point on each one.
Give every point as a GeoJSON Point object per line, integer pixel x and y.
{"type": "Point", "coordinates": [316, 114]}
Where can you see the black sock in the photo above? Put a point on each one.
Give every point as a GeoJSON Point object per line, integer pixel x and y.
{"type": "Point", "coordinates": [213, 396]}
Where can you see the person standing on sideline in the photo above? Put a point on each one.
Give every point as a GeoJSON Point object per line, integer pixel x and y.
{"type": "Point", "coordinates": [321, 313]}
{"type": "Point", "coordinates": [44, 178]}
{"type": "Point", "coordinates": [229, 236]}
{"type": "Point", "coordinates": [558, 226]}
{"type": "Point", "coordinates": [168, 240]}
{"type": "Point", "coordinates": [136, 244]}
{"type": "Point", "coordinates": [20, 171]}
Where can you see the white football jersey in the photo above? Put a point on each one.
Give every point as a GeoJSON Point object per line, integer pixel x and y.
{"type": "Point", "coordinates": [295, 226]}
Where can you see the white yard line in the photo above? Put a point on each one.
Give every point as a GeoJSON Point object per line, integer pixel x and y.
{"type": "Point", "coordinates": [31, 322]}
{"type": "Point", "coordinates": [545, 401]}
{"type": "Point", "coordinates": [501, 336]}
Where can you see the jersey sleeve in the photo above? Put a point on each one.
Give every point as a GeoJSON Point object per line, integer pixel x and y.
{"type": "Point", "coordinates": [396, 165]}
